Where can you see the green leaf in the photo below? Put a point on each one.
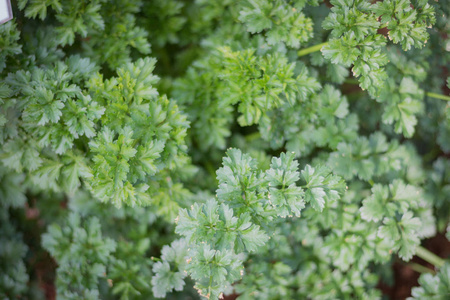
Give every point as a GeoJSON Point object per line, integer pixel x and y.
{"type": "Point", "coordinates": [166, 280]}
{"type": "Point", "coordinates": [81, 251]}
{"type": "Point", "coordinates": [342, 51]}
{"type": "Point", "coordinates": [402, 233]}
{"type": "Point", "coordinates": [284, 194]}
{"type": "Point", "coordinates": [320, 186]}
{"type": "Point", "coordinates": [250, 235]}
{"type": "Point", "coordinates": [214, 270]}
{"type": "Point", "coordinates": [374, 207]}
{"type": "Point", "coordinates": [255, 16]}
{"type": "Point", "coordinates": [433, 287]}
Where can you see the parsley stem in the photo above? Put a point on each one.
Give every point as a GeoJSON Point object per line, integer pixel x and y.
{"type": "Point", "coordinates": [438, 96]}
{"type": "Point", "coordinates": [429, 94]}
{"type": "Point", "coordinates": [311, 49]}
{"type": "Point", "coordinates": [420, 269]}
{"type": "Point", "coordinates": [429, 257]}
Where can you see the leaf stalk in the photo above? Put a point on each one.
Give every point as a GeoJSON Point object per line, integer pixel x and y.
{"type": "Point", "coordinates": [420, 269]}
{"type": "Point", "coordinates": [429, 94]}
{"type": "Point", "coordinates": [438, 96]}
{"type": "Point", "coordinates": [311, 49]}
{"type": "Point", "coordinates": [429, 257]}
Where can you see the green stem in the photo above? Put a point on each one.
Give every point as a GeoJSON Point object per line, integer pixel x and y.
{"type": "Point", "coordinates": [429, 94]}
{"type": "Point", "coordinates": [420, 269]}
{"type": "Point", "coordinates": [429, 257]}
{"type": "Point", "coordinates": [311, 49]}
{"type": "Point", "coordinates": [438, 96]}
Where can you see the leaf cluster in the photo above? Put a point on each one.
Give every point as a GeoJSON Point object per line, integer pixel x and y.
{"type": "Point", "coordinates": [113, 163]}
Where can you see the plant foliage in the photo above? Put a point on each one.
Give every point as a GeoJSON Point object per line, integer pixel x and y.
{"type": "Point", "coordinates": [285, 149]}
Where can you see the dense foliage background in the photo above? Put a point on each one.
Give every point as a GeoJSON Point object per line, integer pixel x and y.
{"type": "Point", "coordinates": [265, 149]}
